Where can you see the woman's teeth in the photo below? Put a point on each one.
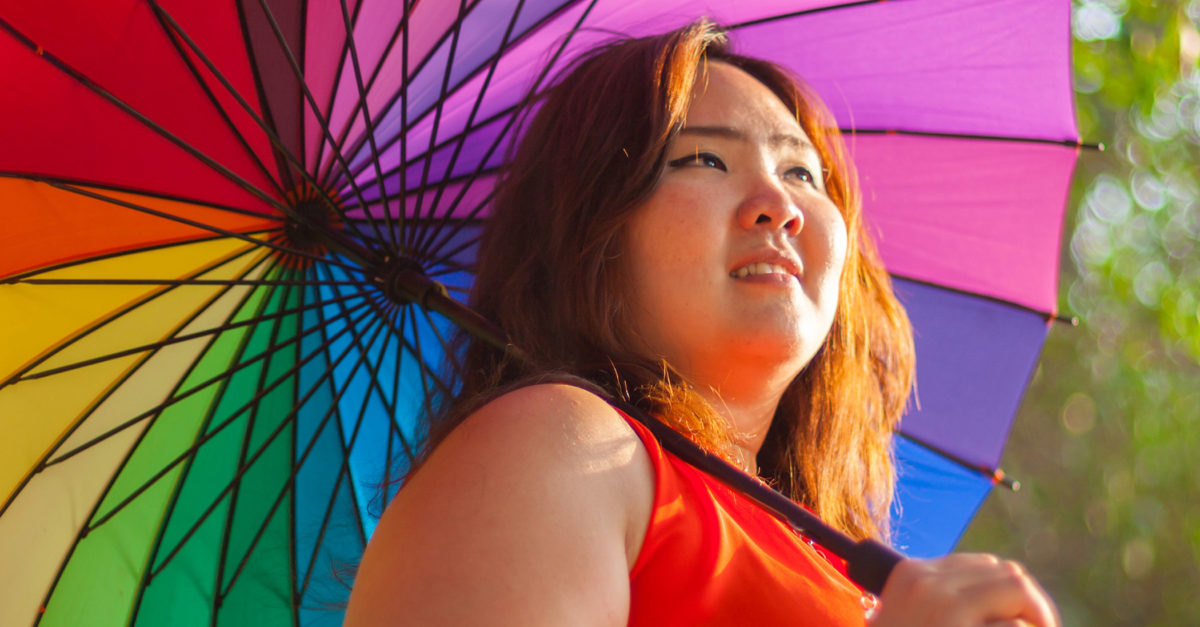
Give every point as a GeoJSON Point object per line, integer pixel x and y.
{"type": "Point", "coordinates": [758, 268]}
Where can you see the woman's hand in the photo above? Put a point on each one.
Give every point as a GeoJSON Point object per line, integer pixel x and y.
{"type": "Point", "coordinates": [963, 590]}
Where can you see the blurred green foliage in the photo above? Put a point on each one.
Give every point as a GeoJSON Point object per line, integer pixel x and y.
{"type": "Point", "coordinates": [1107, 442]}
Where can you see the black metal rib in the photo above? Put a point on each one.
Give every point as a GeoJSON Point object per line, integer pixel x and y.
{"type": "Point", "coordinates": [175, 339]}
{"type": "Point", "coordinates": [200, 225]}
{"type": "Point", "coordinates": [244, 464]}
{"type": "Point", "coordinates": [217, 106]}
{"type": "Point", "coordinates": [112, 389]}
{"type": "Point", "coordinates": [525, 101]}
{"type": "Point", "coordinates": [341, 440]}
{"type": "Point", "coordinates": [97, 324]}
{"type": "Point", "coordinates": [1068, 143]}
{"type": "Point", "coordinates": [247, 434]}
{"type": "Point", "coordinates": [18, 278]}
{"type": "Point", "coordinates": [272, 136]}
{"type": "Point", "coordinates": [209, 433]}
{"type": "Point", "coordinates": [1048, 316]}
{"type": "Point", "coordinates": [298, 72]}
{"type": "Point", "coordinates": [533, 28]}
{"type": "Point", "coordinates": [207, 204]}
{"type": "Point", "coordinates": [402, 178]}
{"type": "Point", "coordinates": [84, 530]}
{"type": "Point", "coordinates": [145, 121]}
{"type": "Point", "coordinates": [400, 32]}
{"type": "Point", "coordinates": [437, 117]}
{"type": "Point", "coordinates": [995, 475]}
{"type": "Point", "coordinates": [419, 243]}
{"type": "Point", "coordinates": [178, 282]}
{"type": "Point", "coordinates": [296, 467]}
{"type": "Point", "coordinates": [399, 334]}
{"type": "Point", "coordinates": [291, 417]}
{"type": "Point", "coordinates": [157, 409]}
{"type": "Point", "coordinates": [783, 16]}
{"type": "Point", "coordinates": [366, 113]}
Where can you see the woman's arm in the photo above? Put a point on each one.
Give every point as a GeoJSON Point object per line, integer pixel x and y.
{"type": "Point", "coordinates": [530, 513]}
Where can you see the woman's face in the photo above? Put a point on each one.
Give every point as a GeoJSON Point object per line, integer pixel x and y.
{"type": "Point", "coordinates": [735, 258]}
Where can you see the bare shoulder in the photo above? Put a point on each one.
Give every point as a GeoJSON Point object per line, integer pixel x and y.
{"type": "Point", "coordinates": [536, 503]}
{"type": "Point", "coordinates": [545, 414]}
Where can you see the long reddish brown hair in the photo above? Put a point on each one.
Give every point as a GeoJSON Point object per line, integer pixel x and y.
{"type": "Point", "coordinates": [550, 275]}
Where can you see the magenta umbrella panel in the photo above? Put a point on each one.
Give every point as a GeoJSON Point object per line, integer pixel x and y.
{"type": "Point", "coordinates": [237, 234]}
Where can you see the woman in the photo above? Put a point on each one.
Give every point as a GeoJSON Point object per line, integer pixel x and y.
{"type": "Point", "coordinates": [679, 228]}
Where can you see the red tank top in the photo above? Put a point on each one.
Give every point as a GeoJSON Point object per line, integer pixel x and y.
{"type": "Point", "coordinates": [713, 557]}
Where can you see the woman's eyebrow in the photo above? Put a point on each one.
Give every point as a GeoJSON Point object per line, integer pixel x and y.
{"type": "Point", "coordinates": [789, 140]}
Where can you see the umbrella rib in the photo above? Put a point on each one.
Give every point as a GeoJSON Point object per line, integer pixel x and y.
{"type": "Point", "coordinates": [201, 225]}
{"type": "Point", "coordinates": [1068, 143]}
{"type": "Point", "coordinates": [366, 113]}
{"type": "Point", "coordinates": [783, 16]}
{"type": "Point", "coordinates": [1049, 316]}
{"type": "Point", "coordinates": [85, 529]}
{"type": "Point", "coordinates": [177, 141]}
{"type": "Point", "coordinates": [154, 346]}
{"type": "Point", "coordinates": [399, 333]}
{"type": "Point", "coordinates": [447, 348]}
{"type": "Point", "coordinates": [530, 95]}
{"type": "Point", "coordinates": [248, 434]}
{"type": "Point", "coordinates": [408, 449]}
{"type": "Point", "coordinates": [437, 117]}
{"type": "Point", "coordinates": [402, 174]}
{"type": "Point", "coordinates": [405, 128]}
{"type": "Point", "coordinates": [272, 136]}
{"type": "Point", "coordinates": [322, 113]}
{"type": "Point", "coordinates": [340, 437]}
{"type": "Point", "coordinates": [417, 357]}
{"type": "Point", "coordinates": [487, 81]}
{"type": "Point", "coordinates": [140, 117]}
{"type": "Point", "coordinates": [171, 400]}
{"type": "Point", "coordinates": [401, 32]}
{"type": "Point", "coordinates": [339, 142]}
{"type": "Point", "coordinates": [293, 516]}
{"type": "Point", "coordinates": [41, 178]}
{"type": "Point", "coordinates": [23, 276]}
{"type": "Point", "coordinates": [112, 390]}
{"type": "Point", "coordinates": [213, 99]}
{"type": "Point", "coordinates": [295, 469]}
{"type": "Point", "coordinates": [995, 475]}
{"type": "Point", "coordinates": [190, 452]}
{"type": "Point", "coordinates": [178, 282]}
{"type": "Point", "coordinates": [300, 167]}
{"type": "Point", "coordinates": [19, 375]}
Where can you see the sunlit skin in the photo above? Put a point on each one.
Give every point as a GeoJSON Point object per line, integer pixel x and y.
{"type": "Point", "coordinates": [479, 534]}
{"type": "Point", "coordinates": [743, 186]}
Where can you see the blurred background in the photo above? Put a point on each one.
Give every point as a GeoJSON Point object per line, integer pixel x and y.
{"type": "Point", "coordinates": [1107, 442]}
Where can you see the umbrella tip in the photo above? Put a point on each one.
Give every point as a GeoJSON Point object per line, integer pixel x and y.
{"type": "Point", "coordinates": [999, 477]}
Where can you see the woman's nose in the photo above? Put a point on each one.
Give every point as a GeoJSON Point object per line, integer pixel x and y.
{"type": "Point", "coordinates": [768, 205]}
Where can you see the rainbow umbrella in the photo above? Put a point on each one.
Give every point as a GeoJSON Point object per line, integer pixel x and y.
{"type": "Point", "coordinates": [236, 233]}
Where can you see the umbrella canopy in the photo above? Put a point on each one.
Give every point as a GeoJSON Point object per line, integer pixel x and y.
{"type": "Point", "coordinates": [220, 219]}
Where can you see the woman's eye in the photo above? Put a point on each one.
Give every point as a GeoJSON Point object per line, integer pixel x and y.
{"type": "Point", "coordinates": [802, 173]}
{"type": "Point", "coordinates": [705, 159]}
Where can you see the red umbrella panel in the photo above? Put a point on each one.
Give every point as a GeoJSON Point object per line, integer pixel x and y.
{"type": "Point", "coordinates": [222, 220]}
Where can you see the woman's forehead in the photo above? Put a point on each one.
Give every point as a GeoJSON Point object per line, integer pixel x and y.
{"type": "Point", "coordinates": [727, 97]}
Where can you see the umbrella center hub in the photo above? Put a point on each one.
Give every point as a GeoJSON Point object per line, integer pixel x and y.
{"type": "Point", "coordinates": [403, 281]}
{"type": "Point", "coordinates": [305, 229]}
